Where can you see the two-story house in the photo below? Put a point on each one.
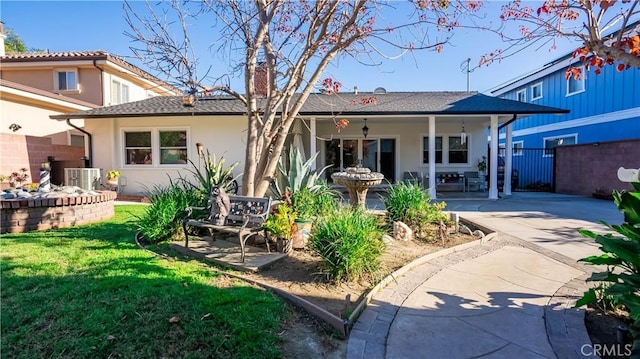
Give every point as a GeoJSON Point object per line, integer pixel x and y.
{"type": "Point", "coordinates": [603, 107]}
{"type": "Point", "coordinates": [34, 86]}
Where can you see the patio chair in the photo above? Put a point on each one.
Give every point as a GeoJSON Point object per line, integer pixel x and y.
{"type": "Point", "coordinates": [412, 177]}
{"type": "Point", "coordinates": [472, 178]}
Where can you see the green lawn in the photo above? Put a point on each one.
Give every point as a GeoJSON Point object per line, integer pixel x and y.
{"type": "Point", "coordinates": [89, 291]}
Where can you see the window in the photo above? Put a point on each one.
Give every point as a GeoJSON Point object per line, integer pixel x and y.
{"type": "Point", "coordinates": [425, 150]}
{"type": "Point", "coordinates": [173, 147]}
{"type": "Point", "coordinates": [119, 93]}
{"type": "Point", "coordinates": [458, 151]}
{"type": "Point", "coordinates": [536, 91]}
{"type": "Point", "coordinates": [517, 148]}
{"type": "Point", "coordinates": [521, 95]}
{"type": "Point", "coordinates": [155, 147]}
{"type": "Point", "coordinates": [552, 142]}
{"type": "Point", "coordinates": [66, 80]}
{"type": "Point", "coordinates": [574, 85]}
{"type": "Point", "coordinates": [137, 147]}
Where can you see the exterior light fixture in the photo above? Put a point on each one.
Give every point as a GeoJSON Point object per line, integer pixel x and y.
{"type": "Point", "coordinates": [463, 135]}
{"type": "Point", "coordinates": [365, 129]}
{"type": "Point", "coordinates": [199, 147]}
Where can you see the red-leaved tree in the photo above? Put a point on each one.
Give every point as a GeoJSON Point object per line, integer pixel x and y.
{"type": "Point", "coordinates": [291, 42]}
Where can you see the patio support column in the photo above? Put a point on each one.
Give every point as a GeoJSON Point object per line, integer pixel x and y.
{"type": "Point", "coordinates": [508, 163]}
{"type": "Point", "coordinates": [493, 161]}
{"type": "Point", "coordinates": [312, 141]}
{"type": "Point", "coordinates": [432, 157]}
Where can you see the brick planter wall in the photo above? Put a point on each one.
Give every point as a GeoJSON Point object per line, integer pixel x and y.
{"type": "Point", "coordinates": [25, 215]}
{"type": "Point", "coordinates": [580, 169]}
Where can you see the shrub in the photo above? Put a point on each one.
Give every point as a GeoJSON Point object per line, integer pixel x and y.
{"type": "Point", "coordinates": [281, 223]}
{"type": "Point", "coordinates": [163, 218]}
{"type": "Point", "coordinates": [294, 174]}
{"type": "Point", "coordinates": [411, 204]}
{"type": "Point", "coordinates": [620, 282]}
{"type": "Point", "coordinates": [348, 241]}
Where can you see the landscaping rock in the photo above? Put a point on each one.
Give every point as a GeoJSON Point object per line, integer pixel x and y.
{"type": "Point", "coordinates": [402, 232]}
{"type": "Point", "coordinates": [387, 240]}
{"type": "Point", "coordinates": [464, 229]}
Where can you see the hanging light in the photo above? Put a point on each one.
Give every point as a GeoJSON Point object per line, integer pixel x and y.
{"type": "Point", "coordinates": [365, 129]}
{"type": "Point", "coordinates": [463, 135]}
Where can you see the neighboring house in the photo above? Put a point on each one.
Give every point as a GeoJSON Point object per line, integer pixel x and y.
{"type": "Point", "coordinates": [603, 108]}
{"type": "Point", "coordinates": [38, 85]}
{"type": "Point", "coordinates": [150, 140]}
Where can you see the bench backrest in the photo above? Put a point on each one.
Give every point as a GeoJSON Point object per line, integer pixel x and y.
{"type": "Point", "coordinates": [242, 205]}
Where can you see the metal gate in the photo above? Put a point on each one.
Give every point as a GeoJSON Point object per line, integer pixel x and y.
{"type": "Point", "coordinates": [533, 169]}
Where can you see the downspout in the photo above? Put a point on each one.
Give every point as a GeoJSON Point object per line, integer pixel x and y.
{"type": "Point", "coordinates": [90, 140]}
{"type": "Point", "coordinates": [515, 116]}
{"type": "Point", "coordinates": [101, 82]}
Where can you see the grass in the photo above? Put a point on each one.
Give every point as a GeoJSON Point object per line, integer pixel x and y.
{"type": "Point", "coordinates": [89, 291]}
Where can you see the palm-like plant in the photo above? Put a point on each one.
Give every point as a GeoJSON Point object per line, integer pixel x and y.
{"type": "Point", "coordinates": [213, 173]}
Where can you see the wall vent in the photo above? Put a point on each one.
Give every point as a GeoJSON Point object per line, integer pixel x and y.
{"type": "Point", "coordinates": [85, 178]}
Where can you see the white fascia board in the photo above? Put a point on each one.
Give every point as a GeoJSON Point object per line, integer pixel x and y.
{"type": "Point", "coordinates": [533, 76]}
{"type": "Point", "coordinates": [591, 120]}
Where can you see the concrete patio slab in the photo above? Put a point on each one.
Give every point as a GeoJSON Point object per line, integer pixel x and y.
{"type": "Point", "coordinates": [227, 254]}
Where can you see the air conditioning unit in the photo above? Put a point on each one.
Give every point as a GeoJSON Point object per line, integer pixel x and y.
{"type": "Point", "coordinates": [85, 178]}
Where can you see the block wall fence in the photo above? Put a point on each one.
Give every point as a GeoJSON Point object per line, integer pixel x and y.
{"type": "Point", "coordinates": [581, 169]}
{"type": "Point", "coordinates": [19, 151]}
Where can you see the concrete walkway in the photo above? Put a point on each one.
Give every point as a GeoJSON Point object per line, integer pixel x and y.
{"type": "Point", "coordinates": [508, 298]}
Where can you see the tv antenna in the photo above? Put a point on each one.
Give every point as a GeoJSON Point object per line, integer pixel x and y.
{"type": "Point", "coordinates": [464, 67]}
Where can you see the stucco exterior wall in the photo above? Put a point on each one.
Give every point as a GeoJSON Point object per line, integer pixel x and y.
{"type": "Point", "coordinates": [221, 136]}
{"type": "Point", "coordinates": [35, 121]}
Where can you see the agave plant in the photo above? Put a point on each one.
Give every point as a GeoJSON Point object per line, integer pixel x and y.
{"type": "Point", "coordinates": [213, 173]}
{"type": "Point", "coordinates": [297, 175]}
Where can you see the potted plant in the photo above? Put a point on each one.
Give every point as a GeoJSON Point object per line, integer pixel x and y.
{"type": "Point", "coordinates": [303, 203]}
{"type": "Point", "coordinates": [281, 225]}
{"type": "Point", "coordinates": [112, 177]}
{"type": "Point", "coordinates": [482, 165]}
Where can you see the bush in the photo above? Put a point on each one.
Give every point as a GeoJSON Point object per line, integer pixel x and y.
{"type": "Point", "coordinates": [163, 218]}
{"type": "Point", "coordinates": [411, 204]}
{"type": "Point", "coordinates": [308, 204]}
{"type": "Point", "coordinates": [620, 283]}
{"type": "Point", "coordinates": [348, 241]}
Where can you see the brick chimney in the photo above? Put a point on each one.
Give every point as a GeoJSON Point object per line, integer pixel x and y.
{"type": "Point", "coordinates": [2, 37]}
{"type": "Point", "coordinates": [261, 80]}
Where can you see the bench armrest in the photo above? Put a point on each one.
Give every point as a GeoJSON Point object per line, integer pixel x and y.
{"type": "Point", "coordinates": [189, 211]}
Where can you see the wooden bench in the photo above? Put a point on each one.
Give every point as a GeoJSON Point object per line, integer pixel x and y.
{"type": "Point", "coordinates": [245, 218]}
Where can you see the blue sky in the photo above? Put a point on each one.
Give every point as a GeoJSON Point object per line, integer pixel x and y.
{"type": "Point", "coordinates": [100, 25]}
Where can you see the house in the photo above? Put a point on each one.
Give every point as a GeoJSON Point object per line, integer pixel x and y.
{"type": "Point", "coordinates": [150, 140]}
{"type": "Point", "coordinates": [603, 108]}
{"type": "Point", "coordinates": [34, 86]}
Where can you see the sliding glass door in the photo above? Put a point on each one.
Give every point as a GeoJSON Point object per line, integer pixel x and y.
{"type": "Point", "coordinates": [377, 154]}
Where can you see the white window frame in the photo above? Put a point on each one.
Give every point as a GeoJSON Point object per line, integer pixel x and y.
{"type": "Point", "coordinates": [56, 81]}
{"type": "Point", "coordinates": [545, 139]}
{"type": "Point", "coordinates": [155, 146]}
{"type": "Point", "coordinates": [581, 81]}
{"type": "Point", "coordinates": [533, 87]}
{"type": "Point", "coordinates": [522, 93]}
{"type": "Point", "coordinates": [118, 92]}
{"type": "Point", "coordinates": [445, 150]}
{"type": "Point", "coordinates": [517, 151]}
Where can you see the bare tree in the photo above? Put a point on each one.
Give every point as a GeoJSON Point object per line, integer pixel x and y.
{"type": "Point", "coordinates": [288, 44]}
{"type": "Point", "coordinates": [608, 30]}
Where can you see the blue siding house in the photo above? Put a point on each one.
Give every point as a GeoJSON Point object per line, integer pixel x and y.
{"type": "Point", "coordinates": [603, 108]}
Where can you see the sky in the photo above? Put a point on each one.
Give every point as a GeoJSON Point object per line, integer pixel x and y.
{"type": "Point", "coordinates": [100, 25]}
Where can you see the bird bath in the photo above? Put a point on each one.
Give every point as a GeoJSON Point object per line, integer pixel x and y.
{"type": "Point", "coordinates": [357, 180]}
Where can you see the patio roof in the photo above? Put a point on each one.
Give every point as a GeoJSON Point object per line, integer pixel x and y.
{"type": "Point", "coordinates": [322, 105]}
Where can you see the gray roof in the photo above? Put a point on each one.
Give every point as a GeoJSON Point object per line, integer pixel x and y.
{"type": "Point", "coordinates": [343, 104]}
